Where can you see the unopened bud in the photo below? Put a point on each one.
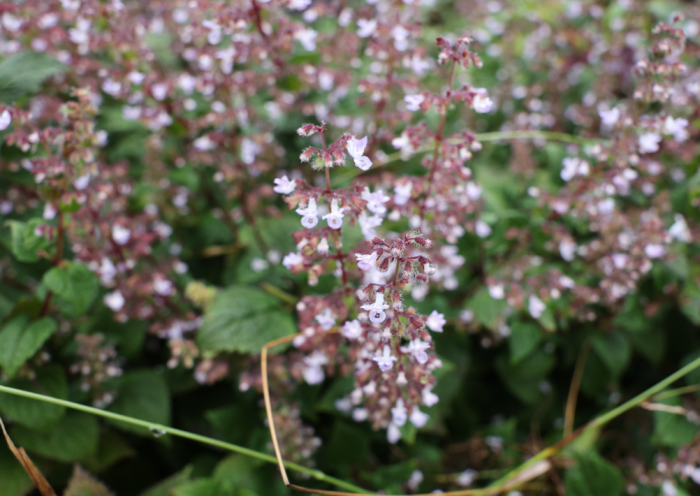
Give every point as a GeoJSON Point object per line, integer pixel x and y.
{"type": "Point", "coordinates": [306, 130]}
{"type": "Point", "coordinates": [307, 154]}
{"type": "Point", "coordinates": [384, 265]}
{"type": "Point", "coordinates": [327, 159]}
{"type": "Point", "coordinates": [338, 157]}
{"type": "Point", "coordinates": [407, 269]}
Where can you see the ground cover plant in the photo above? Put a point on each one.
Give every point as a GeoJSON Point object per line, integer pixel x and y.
{"type": "Point", "coordinates": [466, 229]}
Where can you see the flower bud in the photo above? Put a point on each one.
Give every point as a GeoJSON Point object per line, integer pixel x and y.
{"type": "Point", "coordinates": [307, 154]}
{"type": "Point", "coordinates": [307, 130]}
{"type": "Point", "coordinates": [338, 157]}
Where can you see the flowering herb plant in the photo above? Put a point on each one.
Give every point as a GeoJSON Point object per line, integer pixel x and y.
{"type": "Point", "coordinates": [473, 224]}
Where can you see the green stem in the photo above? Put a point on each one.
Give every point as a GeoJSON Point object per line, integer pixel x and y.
{"type": "Point", "coordinates": [603, 419]}
{"type": "Point", "coordinates": [316, 474]}
{"type": "Point", "coordinates": [493, 136]}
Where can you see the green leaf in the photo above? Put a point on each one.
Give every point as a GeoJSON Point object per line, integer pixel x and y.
{"type": "Point", "coordinates": [24, 243]}
{"type": "Point", "coordinates": [523, 379]}
{"type": "Point", "coordinates": [593, 476]}
{"type": "Point", "coordinates": [143, 395]}
{"type": "Point", "coordinates": [671, 429]}
{"type": "Point", "coordinates": [35, 414]}
{"type": "Point", "coordinates": [18, 344]}
{"type": "Point", "coordinates": [110, 450]}
{"type": "Point", "coordinates": [613, 350]}
{"type": "Point", "coordinates": [524, 338]}
{"type": "Point", "coordinates": [243, 319]}
{"type": "Point", "coordinates": [74, 283]}
{"type": "Point", "coordinates": [22, 74]}
{"type": "Point", "coordinates": [200, 487]}
{"type": "Point", "coordinates": [14, 480]}
{"type": "Point", "coordinates": [486, 310]}
{"type": "Point", "coordinates": [74, 438]}
{"type": "Point", "coordinates": [164, 488]}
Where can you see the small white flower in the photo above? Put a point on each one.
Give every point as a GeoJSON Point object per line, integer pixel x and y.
{"type": "Point", "coordinates": [322, 246]}
{"type": "Point", "coordinates": [416, 348]}
{"type": "Point", "coordinates": [481, 103]}
{"type": "Point", "coordinates": [120, 235]}
{"type": "Point", "coordinates": [366, 262]}
{"type": "Point", "coordinates": [292, 259]}
{"type": "Point", "coordinates": [367, 225]}
{"type": "Point", "coordinates": [386, 360]}
{"type": "Point", "coordinates": [609, 117]}
{"type": "Point", "coordinates": [298, 4]}
{"type": "Point", "coordinates": [376, 309]}
{"type": "Point", "coordinates": [654, 250]}
{"type": "Point", "coordinates": [393, 434]}
{"type": "Point", "coordinates": [325, 319]}
{"type": "Point", "coordinates": [49, 212]}
{"type": "Point", "coordinates": [536, 306]}
{"type": "Point", "coordinates": [366, 27]}
{"type": "Point", "coordinates": [435, 321]}
{"type": "Point", "coordinates": [418, 418]}
{"type": "Point", "coordinates": [679, 230]}
{"type": "Point", "coordinates": [467, 478]}
{"type": "Point", "coordinates": [375, 201]}
{"type": "Point", "coordinates": [163, 286]}
{"type": "Point", "coordinates": [313, 373]}
{"type": "Point", "coordinates": [307, 38]}
{"type": "Point", "coordinates": [429, 398]}
{"type": "Point", "coordinates": [400, 35]}
{"type": "Point", "coordinates": [284, 186]}
{"type": "Point", "coordinates": [413, 102]}
{"type": "Point", "coordinates": [399, 415]}
{"type": "Point", "coordinates": [205, 144]}
{"type": "Point", "coordinates": [136, 77]}
{"type": "Point", "coordinates": [335, 216]}
{"type": "Point", "coordinates": [131, 113]}
{"type": "Point", "coordinates": [649, 143]}
{"type": "Point", "coordinates": [159, 91]}
{"type": "Point", "coordinates": [496, 292]}
{"type": "Point", "coordinates": [5, 120]}
{"type": "Point", "coordinates": [111, 87]}
{"type": "Point", "coordinates": [114, 300]}
{"type": "Point", "coordinates": [309, 214]}
{"type": "Point", "coordinates": [356, 149]}
{"type": "Point", "coordinates": [482, 229]}
{"type": "Point", "coordinates": [360, 414]}
{"type": "Point", "coordinates": [82, 182]}
{"type": "Point", "coordinates": [668, 488]}
{"type": "Point", "coordinates": [473, 190]}
{"type": "Point", "coordinates": [402, 193]}
{"type": "Point", "coordinates": [676, 127]}
{"type": "Point", "coordinates": [352, 329]}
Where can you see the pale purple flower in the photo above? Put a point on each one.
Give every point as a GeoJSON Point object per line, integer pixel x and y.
{"type": "Point", "coordinates": [668, 488]}
{"type": "Point", "coordinates": [676, 127]}
{"type": "Point", "coordinates": [474, 190]}
{"type": "Point", "coordinates": [536, 306]}
{"type": "Point", "coordinates": [400, 35]}
{"type": "Point", "coordinates": [402, 193]}
{"type": "Point", "coordinates": [375, 201]}
{"type": "Point", "coordinates": [352, 329]}
{"type": "Point", "coordinates": [429, 398]}
{"type": "Point", "coordinates": [679, 230]}
{"type": "Point", "coordinates": [323, 246]}
{"type": "Point", "coordinates": [609, 117]}
{"type": "Point", "coordinates": [481, 103]}
{"type": "Point", "coordinates": [654, 250]}
{"type": "Point", "coordinates": [399, 414]}
{"type": "Point", "coordinates": [111, 87]}
{"type": "Point", "coordinates": [307, 38]}
{"type": "Point", "coordinates": [5, 120]}
{"type": "Point", "coordinates": [418, 418]}
{"type": "Point", "coordinates": [309, 214]}
{"type": "Point", "coordinates": [284, 186]}
{"type": "Point", "coordinates": [367, 224]}
{"type": "Point", "coordinates": [416, 348]}
{"type": "Point", "coordinates": [482, 229]}
{"type": "Point", "coordinates": [496, 292]}
{"type": "Point", "coordinates": [120, 235]}
{"type": "Point", "coordinates": [366, 261]}
{"type": "Point", "coordinates": [393, 434]}
{"type": "Point", "coordinates": [356, 149]}
{"type": "Point", "coordinates": [292, 259]}
{"type": "Point", "coordinates": [325, 319]}
{"type": "Point", "coordinates": [49, 212]}
{"type": "Point", "coordinates": [649, 143]}
{"type": "Point", "coordinates": [574, 166]}
{"type": "Point", "coordinates": [567, 249]}
{"type": "Point", "coordinates": [386, 360]}
{"type": "Point", "coordinates": [366, 27]}
{"type": "Point", "coordinates": [467, 478]}
{"type": "Point", "coordinates": [82, 182]}
{"type": "Point", "coordinates": [163, 287]}
{"type": "Point", "coordinates": [413, 102]}
{"type": "Point", "coordinates": [360, 414]}
{"type": "Point", "coordinates": [335, 216]}
{"type": "Point", "coordinates": [114, 300]}
{"type": "Point", "coordinates": [376, 309]}
{"type": "Point", "coordinates": [136, 77]}
{"type": "Point", "coordinates": [298, 4]}
{"type": "Point", "coordinates": [435, 321]}
{"type": "Point", "coordinates": [313, 372]}
{"type": "Point", "coordinates": [205, 144]}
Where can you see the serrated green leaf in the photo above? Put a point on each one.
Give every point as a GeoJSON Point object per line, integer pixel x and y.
{"type": "Point", "coordinates": [523, 379]}
{"type": "Point", "coordinates": [24, 243]}
{"type": "Point", "coordinates": [592, 475]}
{"type": "Point", "coordinates": [22, 74]}
{"type": "Point", "coordinates": [83, 483]}
{"type": "Point", "coordinates": [19, 341]}
{"type": "Point", "coordinates": [164, 488]}
{"type": "Point", "coordinates": [75, 437]}
{"type": "Point", "coordinates": [200, 487]}
{"type": "Point", "coordinates": [614, 350]}
{"type": "Point", "coordinates": [143, 395]}
{"type": "Point", "coordinates": [243, 319]}
{"type": "Point", "coordinates": [110, 450]}
{"type": "Point", "coordinates": [73, 283]}
{"type": "Point", "coordinates": [671, 429]}
{"type": "Point", "coordinates": [524, 338]}
{"type": "Point", "coordinates": [35, 414]}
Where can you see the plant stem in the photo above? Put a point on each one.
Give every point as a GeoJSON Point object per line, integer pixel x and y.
{"type": "Point", "coordinates": [316, 474]}
{"type": "Point", "coordinates": [570, 412]}
{"type": "Point", "coordinates": [599, 421]}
